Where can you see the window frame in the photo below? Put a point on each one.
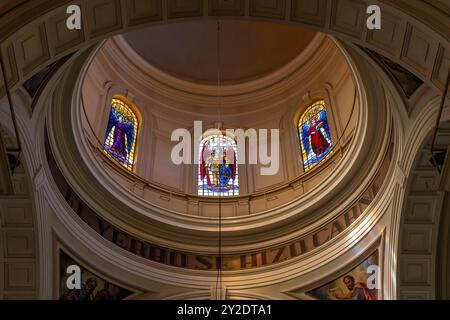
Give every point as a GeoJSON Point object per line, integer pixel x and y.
{"type": "Point", "coordinates": [299, 124]}
{"type": "Point", "coordinates": [236, 182]}
{"type": "Point", "coordinates": [138, 125]}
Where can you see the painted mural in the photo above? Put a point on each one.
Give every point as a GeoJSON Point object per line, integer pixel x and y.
{"type": "Point", "coordinates": [357, 284]}
{"type": "Point", "coordinates": [93, 287]}
{"type": "Point", "coordinates": [407, 81]}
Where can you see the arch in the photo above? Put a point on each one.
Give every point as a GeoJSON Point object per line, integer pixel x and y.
{"type": "Point", "coordinates": [121, 133]}
{"type": "Point", "coordinates": [92, 244]}
{"type": "Point", "coordinates": [23, 256]}
{"type": "Point", "coordinates": [422, 226]}
{"type": "Point", "coordinates": [218, 170]}
{"type": "Point", "coordinates": [405, 55]}
{"type": "Point", "coordinates": [41, 23]}
{"type": "Point", "coordinates": [314, 133]}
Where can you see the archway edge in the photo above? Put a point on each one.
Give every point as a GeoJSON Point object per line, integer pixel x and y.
{"type": "Point", "coordinates": [34, 33]}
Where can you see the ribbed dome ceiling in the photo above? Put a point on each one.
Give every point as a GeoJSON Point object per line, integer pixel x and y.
{"type": "Point", "coordinates": [249, 50]}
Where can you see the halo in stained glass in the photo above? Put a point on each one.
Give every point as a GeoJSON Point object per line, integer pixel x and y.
{"type": "Point", "coordinates": [315, 137]}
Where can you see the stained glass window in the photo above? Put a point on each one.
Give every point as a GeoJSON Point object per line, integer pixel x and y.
{"type": "Point", "coordinates": [314, 132]}
{"type": "Point", "coordinates": [218, 170]}
{"type": "Point", "coordinates": [121, 133]}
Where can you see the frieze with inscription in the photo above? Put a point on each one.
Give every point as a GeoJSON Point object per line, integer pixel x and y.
{"type": "Point", "coordinates": [194, 261]}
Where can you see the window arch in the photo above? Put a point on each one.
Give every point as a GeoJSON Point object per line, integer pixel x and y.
{"type": "Point", "coordinates": [218, 171]}
{"type": "Point", "coordinates": [121, 133]}
{"type": "Point", "coordinates": [314, 132]}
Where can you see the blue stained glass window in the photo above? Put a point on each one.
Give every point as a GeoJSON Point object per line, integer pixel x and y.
{"type": "Point", "coordinates": [315, 137]}
{"type": "Point", "coordinates": [121, 133]}
{"type": "Point", "coordinates": [218, 171]}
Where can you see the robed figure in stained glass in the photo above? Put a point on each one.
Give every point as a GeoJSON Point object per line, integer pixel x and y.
{"type": "Point", "coordinates": [315, 134]}
{"type": "Point", "coordinates": [217, 170]}
{"type": "Point", "coordinates": [121, 134]}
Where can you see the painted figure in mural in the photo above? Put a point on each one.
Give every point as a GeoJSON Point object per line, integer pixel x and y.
{"type": "Point", "coordinates": [85, 293]}
{"type": "Point", "coordinates": [87, 289]}
{"type": "Point", "coordinates": [356, 290]}
{"type": "Point", "coordinates": [315, 134]}
{"type": "Point", "coordinates": [104, 294]}
{"type": "Point", "coordinates": [217, 169]}
{"type": "Point", "coordinates": [225, 170]}
{"type": "Point", "coordinates": [212, 164]}
{"type": "Point", "coordinates": [70, 295]}
{"type": "Point", "coordinates": [92, 286]}
{"type": "Point", "coordinates": [352, 285]}
{"type": "Point", "coordinates": [123, 135]}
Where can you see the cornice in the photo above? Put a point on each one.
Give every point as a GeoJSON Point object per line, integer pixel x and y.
{"type": "Point", "coordinates": [155, 223]}
{"type": "Point", "coordinates": [121, 54]}
{"type": "Point", "coordinates": [42, 13]}
{"type": "Point", "coordinates": [118, 61]}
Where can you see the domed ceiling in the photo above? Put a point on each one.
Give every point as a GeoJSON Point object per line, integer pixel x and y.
{"type": "Point", "coordinates": [248, 50]}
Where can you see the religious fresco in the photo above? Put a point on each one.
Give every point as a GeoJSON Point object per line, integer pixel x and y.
{"type": "Point", "coordinates": [357, 284]}
{"type": "Point", "coordinates": [407, 81]}
{"type": "Point", "coordinates": [93, 287]}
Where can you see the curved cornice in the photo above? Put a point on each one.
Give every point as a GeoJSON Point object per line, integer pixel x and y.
{"type": "Point", "coordinates": [161, 226]}
{"type": "Point", "coordinates": [405, 32]}
{"type": "Point", "coordinates": [322, 72]}
{"type": "Point", "coordinates": [119, 61]}
{"type": "Point", "coordinates": [121, 54]}
{"type": "Point", "coordinates": [40, 22]}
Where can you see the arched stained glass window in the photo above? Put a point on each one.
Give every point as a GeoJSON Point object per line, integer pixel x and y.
{"type": "Point", "coordinates": [315, 137]}
{"type": "Point", "coordinates": [121, 134]}
{"type": "Point", "coordinates": [218, 171]}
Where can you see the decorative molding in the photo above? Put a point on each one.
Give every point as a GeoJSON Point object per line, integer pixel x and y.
{"type": "Point", "coordinates": [348, 17]}
{"type": "Point", "coordinates": [140, 223]}
{"type": "Point", "coordinates": [198, 261]}
{"type": "Point", "coordinates": [46, 39]}
{"type": "Point", "coordinates": [310, 12]}
{"type": "Point", "coordinates": [419, 50]}
{"type": "Point", "coordinates": [419, 228]}
{"type": "Point", "coordinates": [272, 9]}
{"type": "Point", "coordinates": [144, 11]}
{"type": "Point", "coordinates": [103, 17]}
{"type": "Point", "coordinates": [6, 183]}
{"type": "Point", "coordinates": [233, 8]}
{"type": "Point", "coordinates": [62, 39]}
{"type": "Point", "coordinates": [19, 250]}
{"type": "Point", "coordinates": [409, 58]}
{"type": "Point", "coordinates": [389, 36]}
{"type": "Point", "coordinates": [184, 9]}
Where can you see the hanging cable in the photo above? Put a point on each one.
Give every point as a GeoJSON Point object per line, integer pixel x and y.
{"type": "Point", "coordinates": [219, 281]}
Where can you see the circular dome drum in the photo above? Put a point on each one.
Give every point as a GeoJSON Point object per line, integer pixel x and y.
{"type": "Point", "coordinates": [149, 198]}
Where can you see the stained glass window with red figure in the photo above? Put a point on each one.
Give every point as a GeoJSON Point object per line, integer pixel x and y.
{"type": "Point", "coordinates": [218, 171]}
{"type": "Point", "coordinates": [315, 137]}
